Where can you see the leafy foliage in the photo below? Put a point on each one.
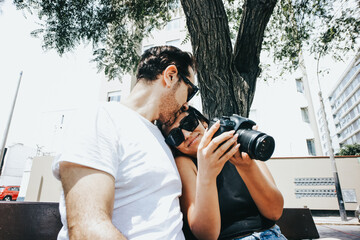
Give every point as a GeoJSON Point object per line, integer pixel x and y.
{"type": "Point", "coordinates": [234, 13]}
{"type": "Point", "coordinates": [1, 2]}
{"type": "Point", "coordinates": [319, 26]}
{"type": "Point", "coordinates": [352, 149]}
{"type": "Point", "coordinates": [114, 28]}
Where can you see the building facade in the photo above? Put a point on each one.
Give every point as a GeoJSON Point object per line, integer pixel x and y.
{"type": "Point", "coordinates": [283, 108]}
{"type": "Point", "coordinates": [344, 102]}
{"type": "Point", "coordinates": [15, 161]}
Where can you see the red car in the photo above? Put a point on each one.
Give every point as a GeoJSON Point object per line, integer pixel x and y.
{"type": "Point", "coordinates": [9, 193]}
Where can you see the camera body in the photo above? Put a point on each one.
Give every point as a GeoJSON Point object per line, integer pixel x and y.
{"type": "Point", "coordinates": [257, 144]}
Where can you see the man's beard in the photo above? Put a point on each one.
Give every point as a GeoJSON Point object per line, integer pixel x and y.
{"type": "Point", "coordinates": [170, 109]}
{"type": "Point", "coordinates": [172, 119]}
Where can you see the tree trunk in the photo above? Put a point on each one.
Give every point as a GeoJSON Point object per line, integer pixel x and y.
{"type": "Point", "coordinates": [226, 78]}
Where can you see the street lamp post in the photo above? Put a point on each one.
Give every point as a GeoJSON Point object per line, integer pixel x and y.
{"type": "Point", "coordinates": [332, 159]}
{"type": "Point", "coordinates": [8, 125]}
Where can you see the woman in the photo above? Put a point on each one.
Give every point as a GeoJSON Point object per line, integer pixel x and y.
{"type": "Point", "coordinates": [226, 194]}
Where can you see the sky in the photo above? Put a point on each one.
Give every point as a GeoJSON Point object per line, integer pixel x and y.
{"type": "Point", "coordinates": [49, 82]}
{"type": "Point", "coordinates": [53, 83]}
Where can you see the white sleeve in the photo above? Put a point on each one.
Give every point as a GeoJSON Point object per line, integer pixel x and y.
{"type": "Point", "coordinates": [90, 140]}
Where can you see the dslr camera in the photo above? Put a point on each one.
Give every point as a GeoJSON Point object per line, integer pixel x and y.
{"type": "Point", "coordinates": [257, 144]}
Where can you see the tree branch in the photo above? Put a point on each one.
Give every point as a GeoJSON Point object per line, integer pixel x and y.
{"type": "Point", "coordinates": [210, 38]}
{"type": "Point", "coordinates": [256, 15]}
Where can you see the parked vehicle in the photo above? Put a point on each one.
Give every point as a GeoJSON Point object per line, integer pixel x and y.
{"type": "Point", "coordinates": [9, 193]}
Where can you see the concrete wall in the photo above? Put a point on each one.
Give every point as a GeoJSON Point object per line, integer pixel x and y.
{"type": "Point", "coordinates": [286, 170]}
{"type": "Point", "coordinates": [43, 186]}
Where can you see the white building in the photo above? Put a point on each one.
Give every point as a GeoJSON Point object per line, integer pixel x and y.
{"type": "Point", "coordinates": [344, 100]}
{"type": "Point", "coordinates": [283, 108]}
{"type": "Point", "coordinates": [14, 163]}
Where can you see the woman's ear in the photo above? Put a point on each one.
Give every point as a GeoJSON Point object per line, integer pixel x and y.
{"type": "Point", "coordinates": [205, 124]}
{"type": "Point", "coordinates": [169, 75]}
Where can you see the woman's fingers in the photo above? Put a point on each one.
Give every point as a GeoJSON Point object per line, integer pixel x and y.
{"type": "Point", "coordinates": [221, 140]}
{"type": "Point", "coordinates": [222, 144]}
{"type": "Point", "coordinates": [209, 133]}
{"type": "Point", "coordinates": [246, 156]}
{"type": "Point", "coordinates": [237, 155]}
{"type": "Point", "coordinates": [230, 154]}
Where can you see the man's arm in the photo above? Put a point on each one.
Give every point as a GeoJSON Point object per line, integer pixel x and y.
{"type": "Point", "coordinates": [89, 198]}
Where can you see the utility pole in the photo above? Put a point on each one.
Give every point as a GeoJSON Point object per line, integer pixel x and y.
{"type": "Point", "coordinates": [332, 160]}
{"type": "Point", "coordinates": [331, 152]}
{"type": "Point", "coordinates": [8, 125]}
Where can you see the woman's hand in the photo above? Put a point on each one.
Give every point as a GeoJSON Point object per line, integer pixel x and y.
{"type": "Point", "coordinates": [242, 159]}
{"type": "Point", "coordinates": [213, 153]}
{"type": "Point", "coordinates": [200, 197]}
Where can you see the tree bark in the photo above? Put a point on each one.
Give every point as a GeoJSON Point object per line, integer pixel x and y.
{"type": "Point", "coordinates": [255, 17]}
{"type": "Point", "coordinates": [226, 78]}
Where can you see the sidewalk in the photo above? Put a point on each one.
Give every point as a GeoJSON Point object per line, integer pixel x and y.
{"type": "Point", "coordinates": [332, 228]}
{"type": "Point", "coordinates": [335, 220]}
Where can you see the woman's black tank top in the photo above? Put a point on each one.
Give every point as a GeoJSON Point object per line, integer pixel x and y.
{"type": "Point", "coordinates": [239, 214]}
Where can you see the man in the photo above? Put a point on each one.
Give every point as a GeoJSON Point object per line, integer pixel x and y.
{"type": "Point", "coordinates": [119, 177]}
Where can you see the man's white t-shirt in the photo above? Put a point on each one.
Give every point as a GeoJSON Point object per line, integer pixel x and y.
{"type": "Point", "coordinates": [117, 140]}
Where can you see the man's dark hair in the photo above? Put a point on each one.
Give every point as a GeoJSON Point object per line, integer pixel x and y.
{"type": "Point", "coordinates": [156, 59]}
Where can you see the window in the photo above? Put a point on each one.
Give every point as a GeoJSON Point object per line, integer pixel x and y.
{"type": "Point", "coordinates": [114, 96]}
{"type": "Point", "coordinates": [305, 114]}
{"type": "Point", "coordinates": [311, 146]}
{"type": "Point", "coordinates": [299, 85]}
{"type": "Point", "coordinates": [175, 43]}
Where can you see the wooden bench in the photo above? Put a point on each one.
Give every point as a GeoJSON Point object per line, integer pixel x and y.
{"type": "Point", "coordinates": [41, 221]}
{"type": "Point", "coordinates": [29, 220]}
{"type": "Point", "coordinates": [297, 223]}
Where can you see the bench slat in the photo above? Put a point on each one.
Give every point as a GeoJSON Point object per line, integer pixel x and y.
{"type": "Point", "coordinates": [29, 220]}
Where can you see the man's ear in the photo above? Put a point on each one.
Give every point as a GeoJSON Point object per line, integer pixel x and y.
{"type": "Point", "coordinates": [169, 75]}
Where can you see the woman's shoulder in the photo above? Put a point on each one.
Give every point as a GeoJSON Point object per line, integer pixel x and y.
{"type": "Point", "coordinates": [185, 161]}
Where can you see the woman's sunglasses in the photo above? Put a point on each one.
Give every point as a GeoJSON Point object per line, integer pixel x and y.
{"type": "Point", "coordinates": [176, 136]}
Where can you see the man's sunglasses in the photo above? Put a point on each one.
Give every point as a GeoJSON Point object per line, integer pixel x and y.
{"type": "Point", "coordinates": [192, 90]}
{"type": "Point", "coordinates": [176, 136]}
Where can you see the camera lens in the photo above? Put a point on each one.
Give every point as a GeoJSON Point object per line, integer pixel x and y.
{"type": "Point", "coordinates": [264, 147]}
{"type": "Point", "coordinates": [257, 144]}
